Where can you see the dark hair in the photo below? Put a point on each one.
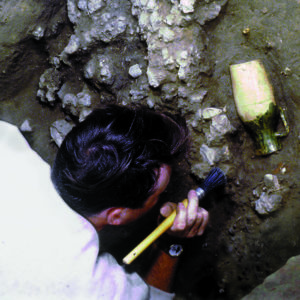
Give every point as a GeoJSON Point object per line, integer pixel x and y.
{"type": "Point", "coordinates": [109, 159]}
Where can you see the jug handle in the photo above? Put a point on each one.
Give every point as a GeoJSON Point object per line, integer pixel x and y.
{"type": "Point", "coordinates": [285, 124]}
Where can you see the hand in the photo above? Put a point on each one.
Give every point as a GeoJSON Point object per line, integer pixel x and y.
{"type": "Point", "coordinates": [189, 222]}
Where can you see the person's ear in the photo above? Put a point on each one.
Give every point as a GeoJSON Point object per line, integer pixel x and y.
{"type": "Point", "coordinates": [116, 216]}
{"type": "Point", "coordinates": [164, 174]}
{"type": "Point", "coordinates": [109, 216]}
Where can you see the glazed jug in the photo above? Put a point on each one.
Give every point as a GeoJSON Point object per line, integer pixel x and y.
{"type": "Point", "coordinates": [256, 105]}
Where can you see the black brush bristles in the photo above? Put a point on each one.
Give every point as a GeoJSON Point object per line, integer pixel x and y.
{"type": "Point", "coordinates": [214, 179]}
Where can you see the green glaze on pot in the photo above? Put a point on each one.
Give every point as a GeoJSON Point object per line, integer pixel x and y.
{"type": "Point", "coordinates": [263, 131]}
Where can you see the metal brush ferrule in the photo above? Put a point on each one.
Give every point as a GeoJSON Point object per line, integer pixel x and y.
{"type": "Point", "coordinates": [200, 193]}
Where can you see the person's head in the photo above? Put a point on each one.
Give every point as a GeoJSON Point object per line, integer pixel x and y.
{"type": "Point", "coordinates": [116, 158]}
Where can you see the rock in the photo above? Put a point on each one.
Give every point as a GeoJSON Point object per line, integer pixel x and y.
{"type": "Point", "coordinates": [209, 12]}
{"type": "Point", "coordinates": [38, 33]}
{"type": "Point", "coordinates": [84, 113]}
{"type": "Point", "coordinates": [187, 6]}
{"type": "Point", "coordinates": [73, 45]}
{"type": "Point", "coordinates": [190, 101]}
{"type": "Point", "coordinates": [106, 70]}
{"type": "Point", "coordinates": [59, 129]}
{"type": "Point", "coordinates": [200, 169]}
{"type": "Point", "coordinates": [166, 34]}
{"type": "Point", "coordinates": [55, 61]}
{"type": "Point", "coordinates": [48, 86]}
{"type": "Point", "coordinates": [84, 99]}
{"type": "Point", "coordinates": [271, 182]}
{"type": "Point", "coordinates": [220, 126]}
{"type": "Point", "coordinates": [70, 87]}
{"type": "Point", "coordinates": [97, 21]}
{"type": "Point", "coordinates": [69, 104]}
{"type": "Point", "coordinates": [26, 127]}
{"type": "Point", "coordinates": [79, 104]}
{"type": "Point", "coordinates": [100, 69]}
{"type": "Point", "coordinates": [93, 5]}
{"type": "Point", "coordinates": [135, 71]}
{"type": "Point", "coordinates": [196, 97]}
{"type": "Point", "coordinates": [282, 284]}
{"type": "Point", "coordinates": [169, 92]}
{"type": "Point", "coordinates": [256, 193]}
{"type": "Point", "coordinates": [268, 203]}
{"type": "Point", "coordinates": [214, 155]}
{"type": "Point", "coordinates": [150, 103]}
{"type": "Point", "coordinates": [208, 154]}
{"type": "Point", "coordinates": [287, 72]}
{"type": "Point", "coordinates": [138, 93]}
{"type": "Point", "coordinates": [175, 45]}
{"type": "Point", "coordinates": [210, 112]}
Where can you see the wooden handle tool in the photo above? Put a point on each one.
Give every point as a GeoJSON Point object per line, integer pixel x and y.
{"type": "Point", "coordinates": [153, 236]}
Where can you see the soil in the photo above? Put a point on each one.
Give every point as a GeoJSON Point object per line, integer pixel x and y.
{"type": "Point", "coordinates": [240, 247]}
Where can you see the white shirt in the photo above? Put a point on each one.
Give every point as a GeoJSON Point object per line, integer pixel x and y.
{"type": "Point", "coordinates": [47, 251]}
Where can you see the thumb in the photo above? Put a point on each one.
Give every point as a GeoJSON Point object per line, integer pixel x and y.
{"type": "Point", "coordinates": [167, 209]}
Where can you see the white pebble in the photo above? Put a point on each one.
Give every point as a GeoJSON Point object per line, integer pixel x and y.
{"type": "Point", "coordinates": [135, 71]}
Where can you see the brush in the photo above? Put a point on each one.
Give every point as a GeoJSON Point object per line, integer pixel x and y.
{"type": "Point", "coordinates": [214, 179]}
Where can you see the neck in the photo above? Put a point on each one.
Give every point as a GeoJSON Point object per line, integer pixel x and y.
{"type": "Point", "coordinates": [97, 222]}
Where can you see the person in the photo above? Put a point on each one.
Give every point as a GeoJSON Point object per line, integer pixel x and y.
{"type": "Point", "coordinates": [110, 170]}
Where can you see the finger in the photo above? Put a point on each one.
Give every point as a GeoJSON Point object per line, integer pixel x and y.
{"type": "Point", "coordinates": [167, 209]}
{"type": "Point", "coordinates": [205, 219]}
{"type": "Point", "coordinates": [192, 208]}
{"type": "Point", "coordinates": [179, 223]}
{"type": "Point", "coordinates": [196, 227]}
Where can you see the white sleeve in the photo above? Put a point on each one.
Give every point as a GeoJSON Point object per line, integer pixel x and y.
{"type": "Point", "coordinates": [47, 250]}
{"type": "Point", "coordinates": [122, 285]}
{"type": "Point", "coordinates": [159, 294]}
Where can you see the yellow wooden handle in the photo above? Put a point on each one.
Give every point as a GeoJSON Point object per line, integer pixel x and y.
{"type": "Point", "coordinates": [153, 236]}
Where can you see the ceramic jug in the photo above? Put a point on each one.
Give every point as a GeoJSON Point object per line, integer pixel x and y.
{"type": "Point", "coordinates": [256, 105]}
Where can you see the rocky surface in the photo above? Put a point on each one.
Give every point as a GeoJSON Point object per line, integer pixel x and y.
{"type": "Point", "coordinates": [283, 284]}
{"type": "Point", "coordinates": [71, 56]}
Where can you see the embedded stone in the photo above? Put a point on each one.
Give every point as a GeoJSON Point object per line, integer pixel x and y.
{"type": "Point", "coordinates": [187, 6]}
{"type": "Point", "coordinates": [271, 182]}
{"type": "Point", "coordinates": [100, 70]}
{"type": "Point", "coordinates": [84, 99]}
{"type": "Point", "coordinates": [197, 97]}
{"type": "Point", "coordinates": [135, 71]}
{"type": "Point", "coordinates": [220, 126]}
{"type": "Point", "coordinates": [209, 12]}
{"type": "Point", "coordinates": [166, 34]}
{"type": "Point", "coordinates": [267, 204]}
{"type": "Point", "coordinates": [210, 112]}
{"type": "Point", "coordinates": [213, 155]}
{"type": "Point", "coordinates": [84, 113]}
{"type": "Point", "coordinates": [26, 127]}
{"type": "Point", "coordinates": [69, 103]}
{"type": "Point", "coordinates": [154, 77]}
{"type": "Point", "coordinates": [73, 45]}
{"type": "Point", "coordinates": [49, 85]}
{"type": "Point", "coordinates": [94, 5]}
{"type": "Point", "coordinates": [59, 129]}
{"type": "Point", "coordinates": [208, 154]}
{"type": "Point", "coordinates": [38, 33]}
